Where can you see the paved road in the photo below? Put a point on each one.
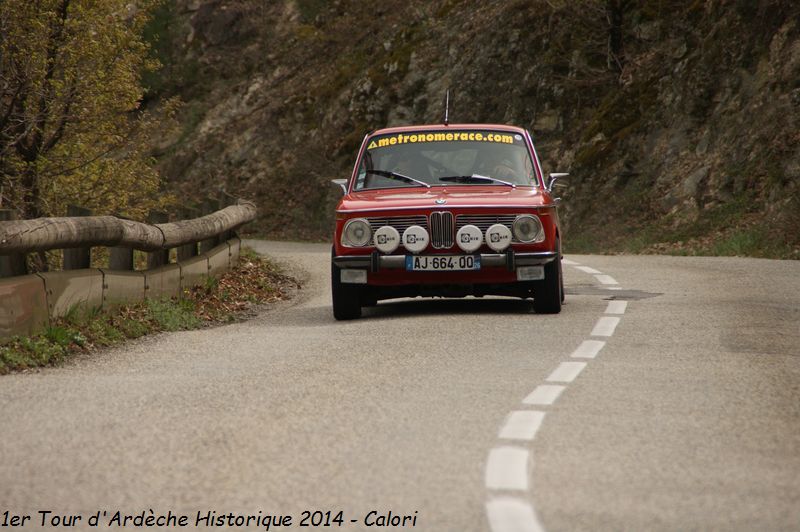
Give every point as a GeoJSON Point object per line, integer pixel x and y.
{"type": "Point", "coordinates": [687, 418]}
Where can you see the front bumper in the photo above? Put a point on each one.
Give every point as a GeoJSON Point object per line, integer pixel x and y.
{"type": "Point", "coordinates": [510, 260]}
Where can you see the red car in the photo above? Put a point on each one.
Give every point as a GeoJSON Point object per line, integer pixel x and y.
{"type": "Point", "coordinates": [448, 211]}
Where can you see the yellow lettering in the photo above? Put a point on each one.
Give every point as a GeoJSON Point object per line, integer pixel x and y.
{"type": "Point", "coordinates": [439, 137]}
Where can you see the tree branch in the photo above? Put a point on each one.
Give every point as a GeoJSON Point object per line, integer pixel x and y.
{"type": "Point", "coordinates": [62, 122]}
{"type": "Point", "coordinates": [45, 100]}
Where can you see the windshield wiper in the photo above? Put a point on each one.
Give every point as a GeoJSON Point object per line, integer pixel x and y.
{"type": "Point", "coordinates": [398, 177]}
{"type": "Point", "coordinates": [475, 178]}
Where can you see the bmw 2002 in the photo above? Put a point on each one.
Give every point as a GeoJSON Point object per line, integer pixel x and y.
{"type": "Point", "coordinates": [446, 210]}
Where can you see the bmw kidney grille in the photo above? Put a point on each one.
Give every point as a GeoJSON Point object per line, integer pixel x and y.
{"type": "Point", "coordinates": [441, 229]}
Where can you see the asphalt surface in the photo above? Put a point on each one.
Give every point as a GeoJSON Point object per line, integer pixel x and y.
{"type": "Point", "coordinates": [688, 418]}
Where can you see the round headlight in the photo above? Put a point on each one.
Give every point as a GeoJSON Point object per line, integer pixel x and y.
{"type": "Point", "coordinates": [498, 237]}
{"type": "Point", "coordinates": [469, 238]}
{"type": "Point", "coordinates": [357, 233]}
{"type": "Point", "coordinates": [387, 239]}
{"type": "Point", "coordinates": [528, 228]}
{"type": "Point", "coordinates": [415, 239]}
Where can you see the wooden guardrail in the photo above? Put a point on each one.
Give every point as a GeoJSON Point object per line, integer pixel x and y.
{"type": "Point", "coordinates": [71, 232]}
{"type": "Point", "coordinates": [205, 246]}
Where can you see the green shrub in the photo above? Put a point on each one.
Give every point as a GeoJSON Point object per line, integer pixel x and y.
{"type": "Point", "coordinates": [173, 315]}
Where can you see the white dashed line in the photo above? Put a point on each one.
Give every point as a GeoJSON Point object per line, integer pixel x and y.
{"type": "Point", "coordinates": [605, 279]}
{"type": "Point", "coordinates": [588, 349]}
{"type": "Point", "coordinates": [616, 307]}
{"type": "Point", "coordinates": [522, 425]}
{"type": "Point", "coordinates": [605, 326]}
{"type": "Point", "coordinates": [566, 372]}
{"type": "Point", "coordinates": [507, 469]}
{"type": "Point", "coordinates": [507, 514]}
{"type": "Point", "coordinates": [544, 394]}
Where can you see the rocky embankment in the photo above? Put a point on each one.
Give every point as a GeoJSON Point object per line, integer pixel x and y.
{"type": "Point", "coordinates": [678, 120]}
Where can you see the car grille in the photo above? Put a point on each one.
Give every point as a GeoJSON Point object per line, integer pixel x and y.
{"type": "Point", "coordinates": [441, 229]}
{"type": "Point", "coordinates": [485, 221]}
{"type": "Point", "coordinates": [401, 223]}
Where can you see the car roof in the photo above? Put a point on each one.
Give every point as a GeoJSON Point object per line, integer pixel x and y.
{"type": "Point", "coordinates": [445, 127]}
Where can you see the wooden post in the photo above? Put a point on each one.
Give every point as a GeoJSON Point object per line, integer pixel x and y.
{"type": "Point", "coordinates": [120, 258]}
{"type": "Point", "coordinates": [14, 263]}
{"type": "Point", "coordinates": [187, 251]}
{"type": "Point", "coordinates": [77, 258]}
{"type": "Point", "coordinates": [160, 257]}
{"type": "Point", "coordinates": [209, 206]}
{"type": "Point", "coordinates": [226, 200]}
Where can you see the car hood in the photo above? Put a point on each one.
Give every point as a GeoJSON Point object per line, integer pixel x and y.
{"type": "Point", "coordinates": [452, 197]}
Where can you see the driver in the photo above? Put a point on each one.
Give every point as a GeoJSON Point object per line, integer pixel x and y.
{"type": "Point", "coordinates": [504, 169]}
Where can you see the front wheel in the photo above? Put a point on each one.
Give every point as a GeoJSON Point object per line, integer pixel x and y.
{"type": "Point", "coordinates": [549, 294]}
{"type": "Point", "coordinates": [346, 297]}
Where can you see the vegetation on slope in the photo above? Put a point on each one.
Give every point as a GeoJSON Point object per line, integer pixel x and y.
{"type": "Point", "coordinates": [254, 282]}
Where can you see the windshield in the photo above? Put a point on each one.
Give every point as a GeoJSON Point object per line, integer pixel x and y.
{"type": "Point", "coordinates": [452, 158]}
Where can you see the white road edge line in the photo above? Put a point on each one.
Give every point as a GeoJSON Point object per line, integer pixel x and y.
{"type": "Point", "coordinates": [544, 394]}
{"type": "Point", "coordinates": [521, 425]}
{"type": "Point", "coordinates": [605, 279]}
{"type": "Point", "coordinates": [507, 469]}
{"type": "Point", "coordinates": [587, 269]}
{"type": "Point", "coordinates": [566, 372]}
{"type": "Point", "coordinates": [508, 514]}
{"type": "Point", "coordinates": [605, 326]}
{"type": "Point", "coordinates": [588, 349]}
{"type": "Point", "coordinates": [616, 307]}
{"type": "Point", "coordinates": [569, 262]}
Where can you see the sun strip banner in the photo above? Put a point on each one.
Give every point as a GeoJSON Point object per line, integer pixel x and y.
{"type": "Point", "coordinates": [450, 136]}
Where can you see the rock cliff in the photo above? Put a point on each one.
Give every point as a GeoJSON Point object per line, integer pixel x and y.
{"type": "Point", "coordinates": [678, 120]}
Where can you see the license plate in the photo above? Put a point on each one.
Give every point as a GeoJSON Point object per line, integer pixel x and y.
{"type": "Point", "coordinates": [442, 263]}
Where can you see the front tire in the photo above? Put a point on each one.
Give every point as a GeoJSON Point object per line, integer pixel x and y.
{"type": "Point", "coordinates": [549, 294]}
{"type": "Point", "coordinates": [346, 297]}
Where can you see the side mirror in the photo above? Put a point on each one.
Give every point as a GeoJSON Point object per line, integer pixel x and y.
{"type": "Point", "coordinates": [341, 183]}
{"type": "Point", "coordinates": [553, 178]}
